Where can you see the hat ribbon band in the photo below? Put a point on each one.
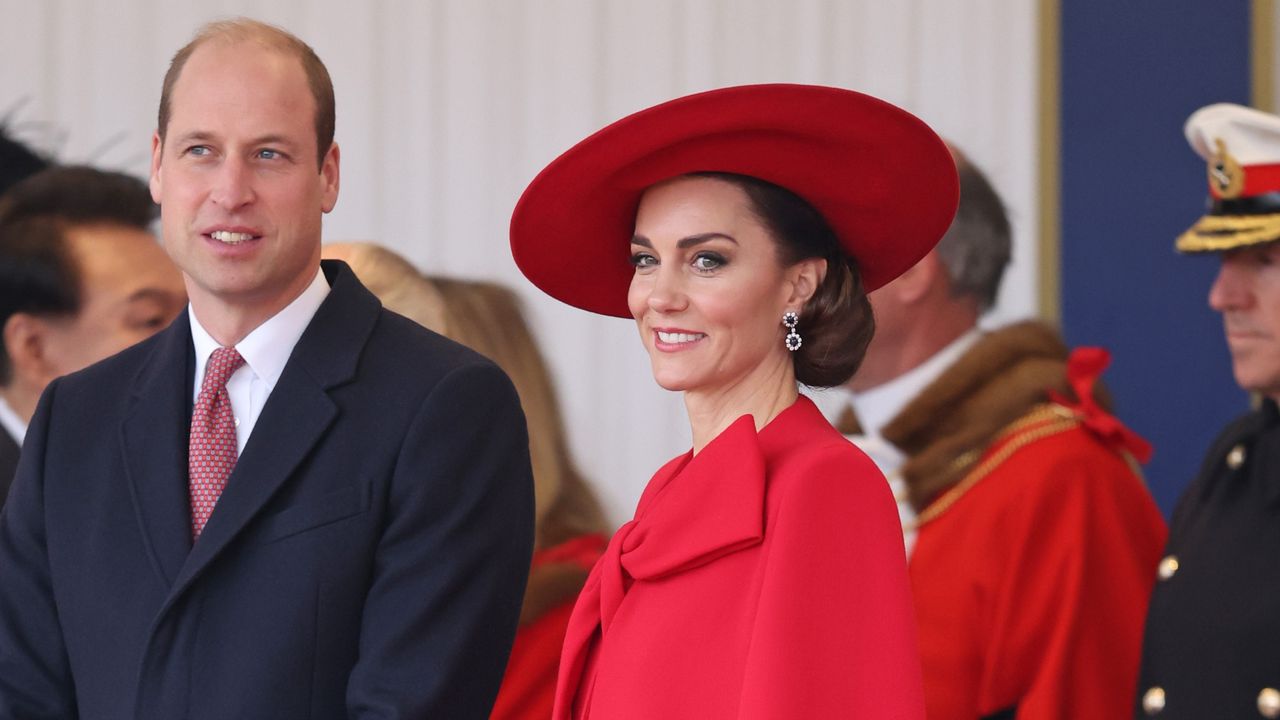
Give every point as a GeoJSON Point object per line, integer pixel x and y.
{"type": "Point", "coordinates": [1258, 180]}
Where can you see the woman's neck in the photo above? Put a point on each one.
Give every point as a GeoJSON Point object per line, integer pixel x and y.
{"type": "Point", "coordinates": [762, 394]}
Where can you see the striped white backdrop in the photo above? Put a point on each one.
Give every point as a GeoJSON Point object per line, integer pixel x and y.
{"type": "Point", "coordinates": [447, 108]}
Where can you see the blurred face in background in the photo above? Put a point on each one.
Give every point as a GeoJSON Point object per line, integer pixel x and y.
{"type": "Point", "coordinates": [129, 289]}
{"type": "Point", "coordinates": [1247, 293]}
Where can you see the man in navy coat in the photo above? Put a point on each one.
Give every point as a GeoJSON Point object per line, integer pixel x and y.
{"type": "Point", "coordinates": [366, 554]}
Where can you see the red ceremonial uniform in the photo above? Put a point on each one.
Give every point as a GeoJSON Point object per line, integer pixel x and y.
{"type": "Point", "coordinates": [762, 578]}
{"type": "Point", "coordinates": [1031, 588]}
{"type": "Point", "coordinates": [1037, 541]}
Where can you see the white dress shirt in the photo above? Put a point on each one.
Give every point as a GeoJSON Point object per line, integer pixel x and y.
{"type": "Point", "coordinates": [265, 352]}
{"type": "Point", "coordinates": [876, 407]}
{"type": "Point", "coordinates": [12, 424]}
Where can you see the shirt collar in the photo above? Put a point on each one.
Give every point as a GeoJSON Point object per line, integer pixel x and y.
{"type": "Point", "coordinates": [14, 425]}
{"type": "Point", "coordinates": [267, 348]}
{"type": "Point", "coordinates": [877, 406]}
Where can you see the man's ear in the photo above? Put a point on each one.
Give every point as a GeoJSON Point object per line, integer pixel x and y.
{"type": "Point", "coordinates": [803, 279]}
{"type": "Point", "coordinates": [915, 283]}
{"type": "Point", "coordinates": [330, 175]}
{"type": "Point", "coordinates": [157, 151]}
{"type": "Point", "coordinates": [26, 341]}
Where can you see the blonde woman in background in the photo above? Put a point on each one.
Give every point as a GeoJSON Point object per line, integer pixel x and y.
{"type": "Point", "coordinates": [570, 524]}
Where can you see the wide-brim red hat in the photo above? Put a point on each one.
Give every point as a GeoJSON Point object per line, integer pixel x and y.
{"type": "Point", "coordinates": [882, 179]}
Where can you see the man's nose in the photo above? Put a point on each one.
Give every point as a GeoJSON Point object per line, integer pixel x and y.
{"type": "Point", "coordinates": [1230, 289]}
{"type": "Point", "coordinates": [233, 185]}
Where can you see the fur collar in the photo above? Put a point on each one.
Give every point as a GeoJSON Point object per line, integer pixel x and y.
{"type": "Point", "coordinates": [944, 430]}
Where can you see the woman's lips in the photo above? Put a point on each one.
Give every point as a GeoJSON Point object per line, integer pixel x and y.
{"type": "Point", "coordinates": [670, 340]}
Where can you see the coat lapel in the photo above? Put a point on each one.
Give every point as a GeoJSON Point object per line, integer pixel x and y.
{"type": "Point", "coordinates": [295, 418]}
{"type": "Point", "coordinates": [153, 438]}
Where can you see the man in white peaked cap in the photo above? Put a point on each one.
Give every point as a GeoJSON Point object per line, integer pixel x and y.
{"type": "Point", "coordinates": [1212, 645]}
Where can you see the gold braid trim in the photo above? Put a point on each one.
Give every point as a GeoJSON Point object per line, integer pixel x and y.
{"type": "Point", "coordinates": [1213, 233]}
{"type": "Point", "coordinates": [1043, 421]}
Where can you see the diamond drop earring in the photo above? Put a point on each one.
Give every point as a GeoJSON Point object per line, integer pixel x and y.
{"type": "Point", "coordinates": [789, 320]}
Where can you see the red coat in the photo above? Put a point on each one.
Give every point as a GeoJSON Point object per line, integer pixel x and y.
{"type": "Point", "coordinates": [1031, 586]}
{"type": "Point", "coordinates": [763, 578]}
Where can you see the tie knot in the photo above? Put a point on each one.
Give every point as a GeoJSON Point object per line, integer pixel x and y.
{"type": "Point", "coordinates": [222, 363]}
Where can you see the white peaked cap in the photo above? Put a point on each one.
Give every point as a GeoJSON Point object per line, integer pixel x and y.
{"type": "Point", "coordinates": [1241, 146]}
{"type": "Point", "coordinates": [1251, 136]}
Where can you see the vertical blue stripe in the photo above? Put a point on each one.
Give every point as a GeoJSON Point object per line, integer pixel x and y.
{"type": "Point", "coordinates": [1131, 74]}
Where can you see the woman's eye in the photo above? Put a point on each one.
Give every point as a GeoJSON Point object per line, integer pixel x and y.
{"type": "Point", "coordinates": [706, 262]}
{"type": "Point", "coordinates": [643, 260]}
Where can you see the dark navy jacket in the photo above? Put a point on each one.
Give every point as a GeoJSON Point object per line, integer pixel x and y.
{"type": "Point", "coordinates": [366, 560]}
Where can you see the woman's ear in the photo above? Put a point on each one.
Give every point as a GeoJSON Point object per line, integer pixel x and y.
{"type": "Point", "coordinates": [803, 279]}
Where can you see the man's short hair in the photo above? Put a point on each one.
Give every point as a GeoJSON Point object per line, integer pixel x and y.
{"type": "Point", "coordinates": [976, 248]}
{"type": "Point", "coordinates": [38, 274]}
{"type": "Point", "coordinates": [273, 38]}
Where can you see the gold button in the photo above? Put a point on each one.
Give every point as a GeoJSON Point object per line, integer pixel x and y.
{"type": "Point", "coordinates": [1269, 703]}
{"type": "Point", "coordinates": [1168, 566]}
{"type": "Point", "coordinates": [1235, 458]}
{"type": "Point", "coordinates": [1153, 700]}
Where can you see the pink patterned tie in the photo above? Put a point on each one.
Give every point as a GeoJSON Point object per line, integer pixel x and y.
{"type": "Point", "coordinates": [212, 450]}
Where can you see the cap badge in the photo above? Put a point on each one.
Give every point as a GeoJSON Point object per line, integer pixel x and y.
{"type": "Point", "coordinates": [1225, 174]}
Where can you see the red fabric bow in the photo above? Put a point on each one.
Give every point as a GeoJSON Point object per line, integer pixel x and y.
{"type": "Point", "coordinates": [1084, 367]}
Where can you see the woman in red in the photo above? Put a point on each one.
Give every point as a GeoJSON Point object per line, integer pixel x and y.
{"type": "Point", "coordinates": [763, 575]}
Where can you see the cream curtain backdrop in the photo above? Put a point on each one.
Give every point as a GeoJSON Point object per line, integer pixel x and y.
{"type": "Point", "coordinates": [447, 108]}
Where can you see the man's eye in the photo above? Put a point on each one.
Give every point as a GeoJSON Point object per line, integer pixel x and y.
{"type": "Point", "coordinates": [198, 150]}
{"type": "Point", "coordinates": [268, 154]}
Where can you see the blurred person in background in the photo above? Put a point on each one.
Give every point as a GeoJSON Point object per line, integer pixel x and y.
{"type": "Point", "coordinates": [81, 278]}
{"type": "Point", "coordinates": [569, 526]}
{"type": "Point", "coordinates": [1213, 630]}
{"type": "Point", "coordinates": [1032, 538]}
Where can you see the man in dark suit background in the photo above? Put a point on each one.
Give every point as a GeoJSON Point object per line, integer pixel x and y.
{"type": "Point", "coordinates": [81, 278]}
{"type": "Point", "coordinates": [17, 162]}
{"type": "Point", "coordinates": [289, 504]}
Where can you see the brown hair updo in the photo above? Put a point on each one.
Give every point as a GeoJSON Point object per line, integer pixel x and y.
{"type": "Point", "coordinates": [836, 323]}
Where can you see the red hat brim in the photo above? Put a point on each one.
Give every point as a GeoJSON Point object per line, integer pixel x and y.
{"type": "Point", "coordinates": [883, 180]}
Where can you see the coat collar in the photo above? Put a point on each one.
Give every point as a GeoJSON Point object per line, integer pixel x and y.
{"type": "Point", "coordinates": [699, 507]}
{"type": "Point", "coordinates": [696, 509]}
{"type": "Point", "coordinates": [998, 380]}
{"type": "Point", "coordinates": [1257, 435]}
{"type": "Point", "coordinates": [299, 410]}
